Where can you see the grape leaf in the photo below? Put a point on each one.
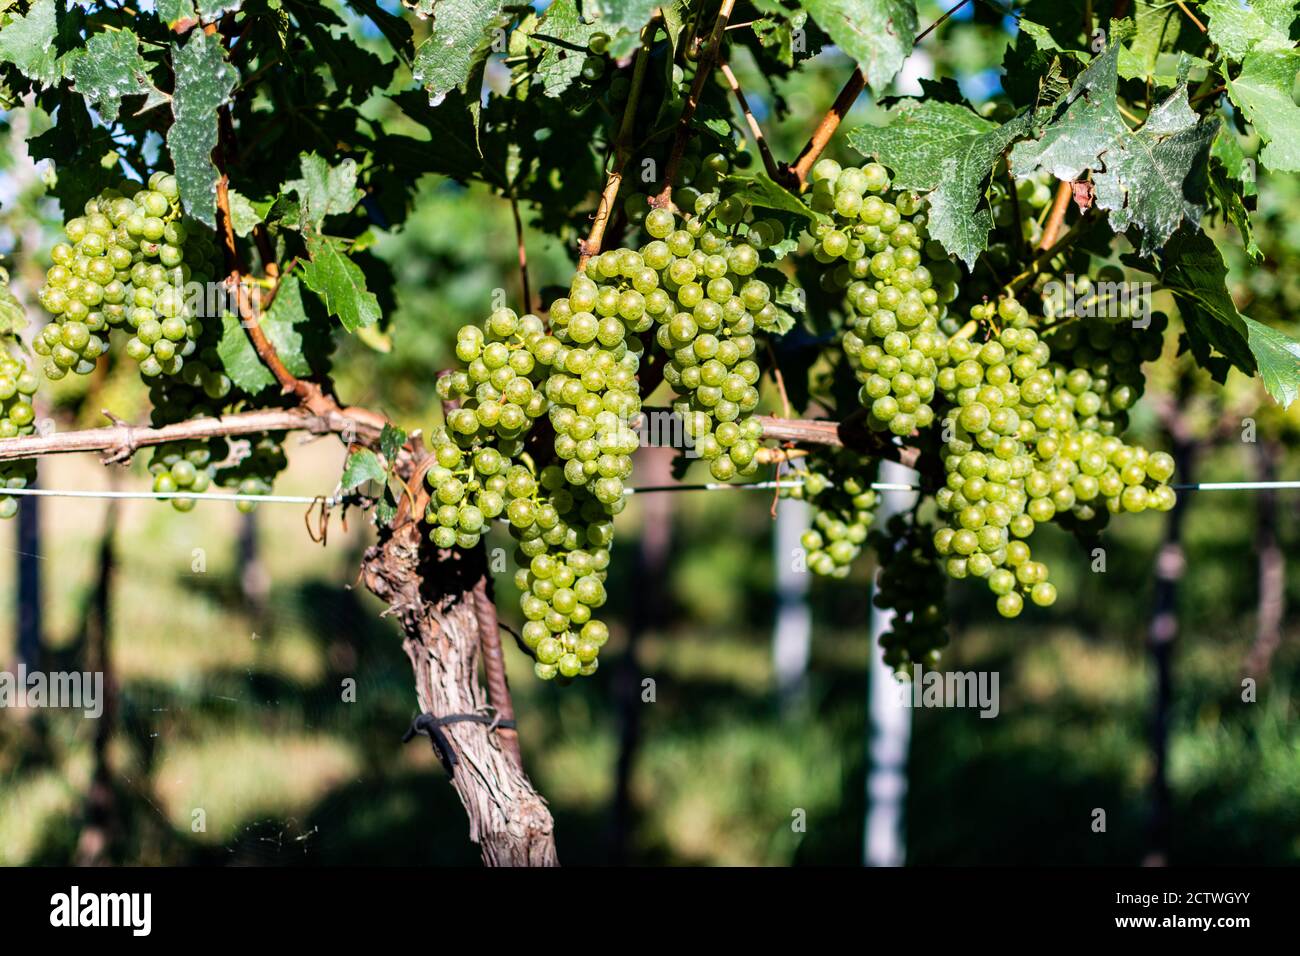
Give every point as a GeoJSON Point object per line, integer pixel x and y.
{"type": "Point", "coordinates": [204, 82]}
{"type": "Point", "coordinates": [1262, 91]}
{"type": "Point", "coordinates": [396, 30]}
{"type": "Point", "coordinates": [759, 190]}
{"type": "Point", "coordinates": [457, 45]}
{"type": "Point", "coordinates": [1231, 180]}
{"type": "Point", "coordinates": [948, 151]}
{"type": "Point", "coordinates": [1152, 178]}
{"type": "Point", "coordinates": [241, 361]}
{"type": "Point", "coordinates": [362, 465]}
{"type": "Point", "coordinates": [109, 68]}
{"type": "Point", "coordinates": [1162, 30]}
{"type": "Point", "coordinates": [878, 34]}
{"type": "Point", "coordinates": [172, 12]}
{"type": "Point", "coordinates": [561, 62]}
{"type": "Point", "coordinates": [245, 214]}
{"type": "Point", "coordinates": [339, 282]}
{"type": "Point", "coordinates": [324, 191]}
{"type": "Point", "coordinates": [391, 440]}
{"type": "Point", "coordinates": [629, 15]}
{"type": "Point", "coordinates": [210, 10]}
{"type": "Point", "coordinates": [1238, 29]}
{"type": "Point", "coordinates": [1196, 275]}
{"type": "Point", "coordinates": [28, 43]}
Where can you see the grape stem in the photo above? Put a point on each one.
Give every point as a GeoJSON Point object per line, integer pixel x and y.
{"type": "Point", "coordinates": [769, 161]}
{"type": "Point", "coordinates": [1056, 218]}
{"type": "Point", "coordinates": [797, 174]}
{"type": "Point", "coordinates": [622, 152]}
{"type": "Point", "coordinates": [703, 68]}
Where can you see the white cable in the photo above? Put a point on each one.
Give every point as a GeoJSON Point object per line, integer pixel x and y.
{"type": "Point", "coordinates": [333, 501]}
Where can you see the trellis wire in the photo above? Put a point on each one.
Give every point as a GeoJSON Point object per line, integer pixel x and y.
{"type": "Point", "coordinates": [333, 501]}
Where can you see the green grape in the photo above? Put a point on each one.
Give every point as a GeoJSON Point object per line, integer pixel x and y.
{"type": "Point", "coordinates": [911, 583]}
{"type": "Point", "coordinates": [17, 385]}
{"type": "Point", "coordinates": [837, 484]}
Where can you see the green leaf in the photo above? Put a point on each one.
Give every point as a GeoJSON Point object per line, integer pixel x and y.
{"type": "Point", "coordinates": [1239, 29]}
{"type": "Point", "coordinates": [1163, 35]}
{"type": "Point", "coordinates": [172, 12]}
{"type": "Point", "coordinates": [204, 82]}
{"type": "Point", "coordinates": [362, 465]}
{"type": "Point", "coordinates": [210, 10]}
{"type": "Point", "coordinates": [391, 440]}
{"type": "Point", "coordinates": [561, 63]}
{"type": "Point", "coordinates": [1152, 178]}
{"type": "Point", "coordinates": [878, 34]}
{"type": "Point", "coordinates": [339, 282]}
{"type": "Point", "coordinates": [1263, 93]}
{"type": "Point", "coordinates": [324, 191]}
{"type": "Point", "coordinates": [630, 15]}
{"type": "Point", "coordinates": [948, 151]}
{"type": "Point", "coordinates": [759, 190]}
{"type": "Point", "coordinates": [109, 68]}
{"type": "Point", "coordinates": [396, 30]}
{"type": "Point", "coordinates": [457, 45]}
{"type": "Point", "coordinates": [1231, 180]}
{"type": "Point", "coordinates": [28, 43]}
{"type": "Point", "coordinates": [245, 214]}
{"type": "Point", "coordinates": [239, 359]}
{"type": "Point", "coordinates": [1194, 272]}
{"type": "Point", "coordinates": [280, 324]}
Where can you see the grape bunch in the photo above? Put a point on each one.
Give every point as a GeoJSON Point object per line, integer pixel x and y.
{"type": "Point", "coordinates": [186, 466]}
{"type": "Point", "coordinates": [910, 583]}
{"type": "Point", "coordinates": [126, 263]}
{"type": "Point", "coordinates": [873, 251]}
{"type": "Point", "coordinates": [592, 387]}
{"type": "Point", "coordinates": [255, 471]}
{"type": "Point", "coordinates": [563, 554]}
{"type": "Point", "coordinates": [837, 484]}
{"type": "Point", "coordinates": [17, 417]}
{"type": "Point", "coordinates": [1016, 455]}
{"type": "Point", "coordinates": [712, 303]}
{"type": "Point", "coordinates": [476, 475]}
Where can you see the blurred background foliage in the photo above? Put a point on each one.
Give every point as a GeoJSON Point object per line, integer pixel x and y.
{"type": "Point", "coordinates": [230, 677]}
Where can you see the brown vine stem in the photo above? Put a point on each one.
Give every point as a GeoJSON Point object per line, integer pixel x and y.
{"type": "Point", "coordinates": [797, 174]}
{"type": "Point", "coordinates": [121, 440]}
{"type": "Point", "coordinates": [622, 152]}
{"type": "Point", "coordinates": [1056, 218]}
{"type": "Point", "coordinates": [769, 161]}
{"type": "Point", "coordinates": [1191, 16]}
{"type": "Point", "coordinates": [702, 70]}
{"type": "Point", "coordinates": [523, 254]}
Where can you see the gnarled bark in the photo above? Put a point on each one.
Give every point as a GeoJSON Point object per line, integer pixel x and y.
{"type": "Point", "coordinates": [432, 594]}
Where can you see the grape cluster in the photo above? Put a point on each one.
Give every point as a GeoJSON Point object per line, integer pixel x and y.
{"type": "Point", "coordinates": [837, 484]}
{"type": "Point", "coordinates": [909, 581]}
{"type": "Point", "coordinates": [563, 554]}
{"type": "Point", "coordinates": [491, 405]}
{"type": "Point", "coordinates": [874, 251]}
{"type": "Point", "coordinates": [126, 263]}
{"type": "Point", "coordinates": [255, 471]}
{"type": "Point", "coordinates": [185, 466]}
{"type": "Point", "coordinates": [17, 417]}
{"type": "Point", "coordinates": [711, 304]}
{"type": "Point", "coordinates": [1016, 455]}
{"type": "Point", "coordinates": [592, 387]}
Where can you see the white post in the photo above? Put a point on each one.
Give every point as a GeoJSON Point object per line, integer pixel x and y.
{"type": "Point", "coordinates": [890, 722]}
{"type": "Point", "coordinates": [792, 637]}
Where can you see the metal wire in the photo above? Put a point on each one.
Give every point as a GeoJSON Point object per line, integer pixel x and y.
{"type": "Point", "coordinates": [333, 501]}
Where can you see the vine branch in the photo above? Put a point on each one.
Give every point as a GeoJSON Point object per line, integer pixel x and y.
{"type": "Point", "coordinates": [769, 161]}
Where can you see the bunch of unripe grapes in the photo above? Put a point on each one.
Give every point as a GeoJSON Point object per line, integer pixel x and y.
{"type": "Point", "coordinates": [563, 556]}
{"type": "Point", "coordinates": [874, 250]}
{"type": "Point", "coordinates": [1016, 455]}
{"type": "Point", "coordinates": [1034, 194]}
{"type": "Point", "coordinates": [592, 389]}
{"type": "Point", "coordinates": [17, 417]}
{"type": "Point", "coordinates": [910, 583]}
{"type": "Point", "coordinates": [491, 405]}
{"type": "Point", "coordinates": [186, 466]}
{"type": "Point", "coordinates": [711, 302]}
{"type": "Point", "coordinates": [125, 264]}
{"type": "Point", "coordinates": [837, 484]}
{"type": "Point", "coordinates": [256, 469]}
